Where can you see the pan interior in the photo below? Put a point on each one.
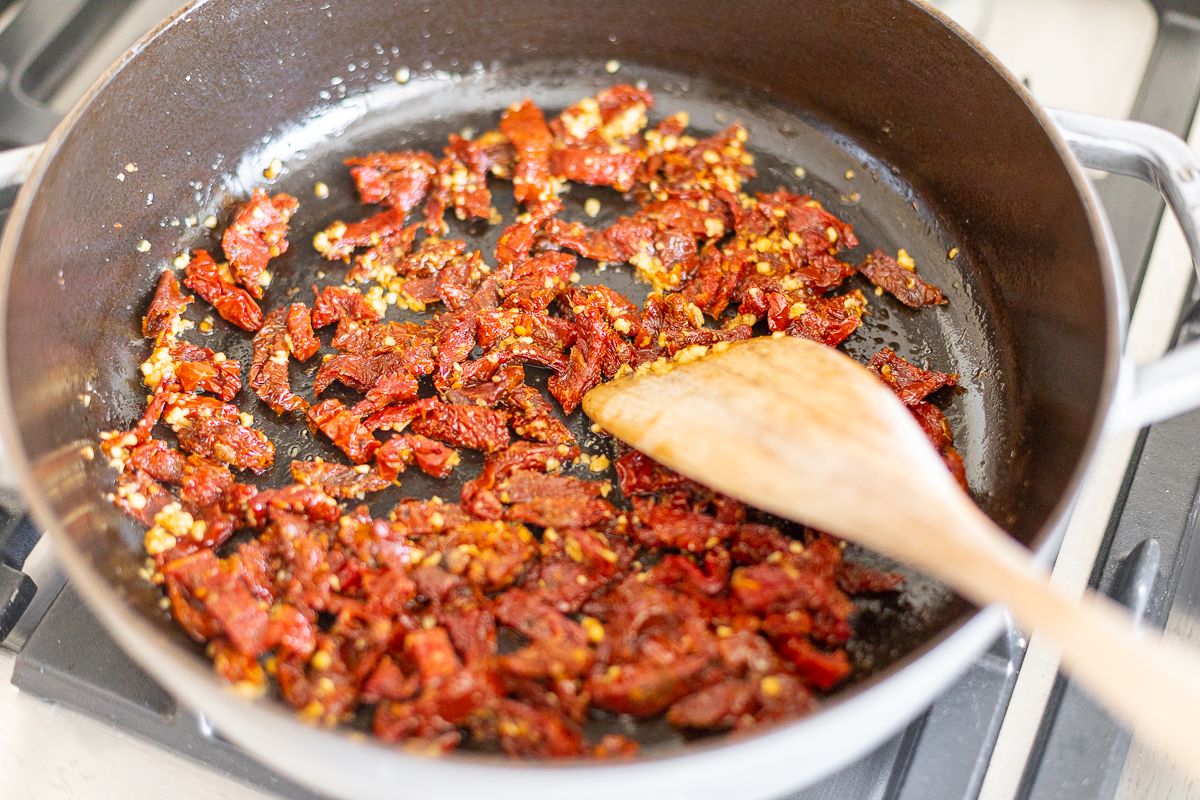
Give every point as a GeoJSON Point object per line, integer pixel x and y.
{"type": "Point", "coordinates": [421, 113]}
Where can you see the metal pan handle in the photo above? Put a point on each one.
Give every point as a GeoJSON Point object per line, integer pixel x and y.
{"type": "Point", "coordinates": [1161, 389]}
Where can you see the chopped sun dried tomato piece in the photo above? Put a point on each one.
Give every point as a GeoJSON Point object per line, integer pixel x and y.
{"type": "Point", "coordinates": [392, 388]}
{"type": "Point", "coordinates": [269, 371]}
{"type": "Point", "coordinates": [430, 456]}
{"type": "Point", "coordinates": [903, 284]}
{"type": "Point", "coordinates": [202, 580]}
{"type": "Point", "coordinates": [517, 239]}
{"type": "Point", "coordinates": [360, 372]}
{"type": "Point", "coordinates": [214, 283]}
{"type": "Point", "coordinates": [596, 166]}
{"type": "Point", "coordinates": [579, 238]}
{"type": "Point", "coordinates": [637, 473]}
{"type": "Point", "coordinates": [532, 417]}
{"type": "Point", "coordinates": [334, 303]}
{"type": "Point", "coordinates": [460, 184]}
{"type": "Point", "coordinates": [200, 369]}
{"type": "Point", "coordinates": [858, 579]}
{"type": "Point", "coordinates": [934, 423]}
{"type": "Point", "coordinates": [613, 117]}
{"type": "Point", "coordinates": [165, 308]}
{"type": "Point", "coordinates": [338, 480]}
{"type": "Point", "coordinates": [303, 342]}
{"type": "Point", "coordinates": [141, 496]}
{"type": "Point", "coordinates": [525, 127]}
{"type": "Point", "coordinates": [666, 526]}
{"type": "Point", "coordinates": [828, 320]}
{"type": "Point", "coordinates": [400, 180]}
{"type": "Point", "coordinates": [538, 281]}
{"type": "Point", "coordinates": [472, 427]}
{"type": "Point", "coordinates": [910, 383]}
{"type": "Point", "coordinates": [558, 501]}
{"type": "Point", "coordinates": [210, 428]}
{"type": "Point", "coordinates": [718, 162]}
{"type": "Point", "coordinates": [344, 429]}
{"type": "Point", "coordinates": [257, 234]}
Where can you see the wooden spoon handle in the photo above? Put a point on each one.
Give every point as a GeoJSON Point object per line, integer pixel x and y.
{"type": "Point", "coordinates": [1150, 683]}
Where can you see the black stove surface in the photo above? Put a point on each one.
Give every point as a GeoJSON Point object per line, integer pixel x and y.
{"type": "Point", "coordinates": [1146, 561]}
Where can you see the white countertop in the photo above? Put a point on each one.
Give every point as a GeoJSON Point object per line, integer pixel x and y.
{"type": "Point", "coordinates": [1080, 54]}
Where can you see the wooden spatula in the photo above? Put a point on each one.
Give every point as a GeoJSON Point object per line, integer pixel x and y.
{"type": "Point", "coordinates": [805, 432]}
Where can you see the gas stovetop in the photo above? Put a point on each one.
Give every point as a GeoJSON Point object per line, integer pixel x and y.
{"type": "Point", "coordinates": [1001, 731]}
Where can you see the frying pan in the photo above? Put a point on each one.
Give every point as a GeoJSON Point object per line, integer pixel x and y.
{"type": "Point", "coordinates": [946, 150]}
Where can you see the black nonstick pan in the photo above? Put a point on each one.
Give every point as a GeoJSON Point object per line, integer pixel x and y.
{"type": "Point", "coordinates": [901, 125]}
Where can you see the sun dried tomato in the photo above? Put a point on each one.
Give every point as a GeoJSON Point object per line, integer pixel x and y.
{"type": "Point", "coordinates": [432, 457]}
{"type": "Point", "coordinates": [335, 303]}
{"type": "Point", "coordinates": [269, 370]}
{"type": "Point", "coordinates": [532, 417]}
{"type": "Point", "coordinates": [309, 503]}
{"type": "Point", "coordinates": [489, 555]}
{"type": "Point", "coordinates": [614, 745]}
{"type": "Point", "coordinates": [213, 429]}
{"type": "Point", "coordinates": [802, 215]}
{"type": "Point", "coordinates": [681, 529]}
{"type": "Point", "coordinates": [671, 323]}
{"type": "Point", "coordinates": [517, 239]}
{"type": "Point", "coordinates": [518, 350]}
{"type": "Point", "coordinates": [400, 180]}
{"type": "Point", "coordinates": [397, 417]}
{"type": "Point", "coordinates": [141, 496]}
{"type": "Point", "coordinates": [554, 500]}
{"type": "Point", "coordinates": [596, 166]}
{"type": "Point", "coordinates": [204, 580]}
{"type": "Point", "coordinates": [480, 496]}
{"type": "Point", "coordinates": [166, 307]}
{"type": "Point", "coordinates": [430, 257]}
{"type": "Point", "coordinates": [338, 480]}
{"type": "Point", "coordinates": [344, 429]}
{"type": "Point", "coordinates": [489, 393]}
{"type": "Point", "coordinates": [828, 320]}
{"type": "Point", "coordinates": [577, 237]}
{"type": "Point", "coordinates": [214, 283]}
{"type": "Point", "coordinates": [934, 423]}
{"type": "Point", "coordinates": [359, 372]}
{"type": "Point", "coordinates": [823, 669]}
{"type": "Point", "coordinates": [903, 284]}
{"type": "Point", "coordinates": [392, 388]}
{"type": "Point", "coordinates": [200, 369]}
{"type": "Point", "coordinates": [637, 473]}
{"type": "Point", "coordinates": [257, 234]}
{"type": "Point", "coordinates": [613, 117]}
{"type": "Point", "coordinates": [859, 579]}
{"type": "Point", "coordinates": [303, 342]}
{"type": "Point", "coordinates": [460, 184]}
{"type": "Point", "coordinates": [714, 708]}
{"type": "Point", "coordinates": [456, 282]}
{"type": "Point", "coordinates": [910, 383]}
{"type": "Point", "coordinates": [472, 427]}
{"type": "Point", "coordinates": [339, 241]}
{"type": "Point", "coordinates": [526, 129]}
{"type": "Point", "coordinates": [536, 282]}
{"type": "Point", "coordinates": [720, 161]}
{"type": "Point", "coordinates": [381, 337]}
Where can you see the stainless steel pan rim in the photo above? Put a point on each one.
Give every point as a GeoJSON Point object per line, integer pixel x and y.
{"type": "Point", "coordinates": [848, 725]}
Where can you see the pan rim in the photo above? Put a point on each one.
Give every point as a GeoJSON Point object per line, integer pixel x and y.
{"type": "Point", "coordinates": [189, 681]}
